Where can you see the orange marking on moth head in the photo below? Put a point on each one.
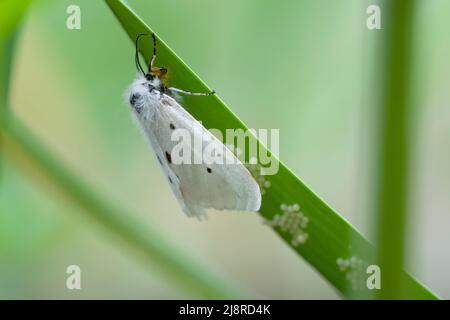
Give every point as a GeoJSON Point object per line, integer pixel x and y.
{"type": "Point", "coordinates": [161, 73]}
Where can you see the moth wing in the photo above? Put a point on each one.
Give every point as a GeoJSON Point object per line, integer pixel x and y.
{"type": "Point", "coordinates": [173, 179]}
{"type": "Point", "coordinates": [221, 186]}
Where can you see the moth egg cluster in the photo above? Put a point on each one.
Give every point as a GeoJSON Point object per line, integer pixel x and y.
{"type": "Point", "coordinates": [293, 222]}
{"type": "Point", "coordinates": [354, 269]}
{"type": "Point", "coordinates": [255, 170]}
{"type": "Point", "coordinates": [253, 167]}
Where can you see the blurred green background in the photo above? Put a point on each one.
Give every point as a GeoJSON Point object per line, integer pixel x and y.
{"type": "Point", "coordinates": [306, 67]}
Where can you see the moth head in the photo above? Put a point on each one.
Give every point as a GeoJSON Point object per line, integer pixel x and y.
{"type": "Point", "coordinates": [159, 72]}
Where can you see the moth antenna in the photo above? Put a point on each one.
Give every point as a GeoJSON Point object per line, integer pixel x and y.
{"type": "Point", "coordinates": [136, 56]}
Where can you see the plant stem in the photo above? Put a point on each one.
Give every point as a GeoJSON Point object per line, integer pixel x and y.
{"type": "Point", "coordinates": [392, 188]}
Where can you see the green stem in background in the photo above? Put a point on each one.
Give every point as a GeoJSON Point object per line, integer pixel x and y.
{"type": "Point", "coordinates": [6, 49]}
{"type": "Point", "coordinates": [308, 225]}
{"type": "Point", "coordinates": [11, 13]}
{"type": "Point", "coordinates": [392, 190]}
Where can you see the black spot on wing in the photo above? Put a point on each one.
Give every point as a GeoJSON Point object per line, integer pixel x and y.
{"type": "Point", "coordinates": [168, 157]}
{"type": "Point", "coordinates": [209, 170]}
{"type": "Point", "coordinates": [172, 126]}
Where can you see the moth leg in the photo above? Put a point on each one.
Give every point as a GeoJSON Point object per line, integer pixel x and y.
{"type": "Point", "coordinates": [191, 93]}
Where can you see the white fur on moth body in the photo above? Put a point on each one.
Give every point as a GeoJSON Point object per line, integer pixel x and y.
{"type": "Point", "coordinates": [222, 186]}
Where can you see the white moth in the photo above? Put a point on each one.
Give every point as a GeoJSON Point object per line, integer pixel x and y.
{"type": "Point", "coordinates": [224, 186]}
